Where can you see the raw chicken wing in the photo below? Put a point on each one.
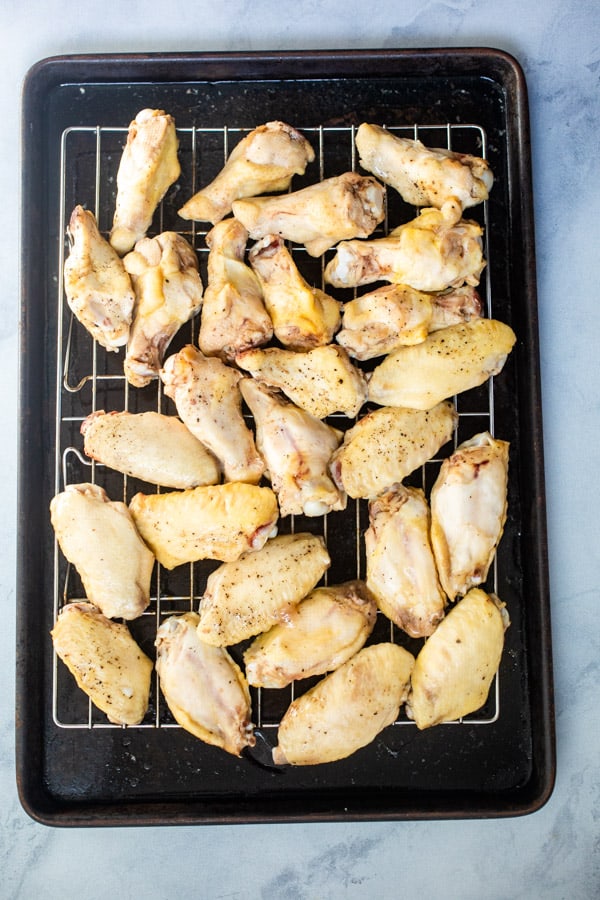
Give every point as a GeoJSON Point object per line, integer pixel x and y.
{"type": "Point", "coordinates": [207, 396]}
{"type": "Point", "coordinates": [97, 287]}
{"type": "Point", "coordinates": [203, 686]}
{"type": "Point", "coordinates": [347, 709]}
{"type": "Point", "coordinates": [296, 448]}
{"type": "Point", "coordinates": [99, 537]}
{"type": "Point", "coordinates": [303, 316]}
{"type": "Point", "coordinates": [148, 167]}
{"type": "Point", "coordinates": [168, 288]}
{"type": "Point", "coordinates": [249, 596]}
{"type": "Point", "coordinates": [401, 569]}
{"type": "Point", "coordinates": [234, 317]}
{"type": "Point", "coordinates": [468, 509]}
{"type": "Point", "coordinates": [322, 632]}
{"type": "Point", "coordinates": [105, 661]}
{"type": "Point", "coordinates": [318, 216]}
{"type": "Point", "coordinates": [264, 161]}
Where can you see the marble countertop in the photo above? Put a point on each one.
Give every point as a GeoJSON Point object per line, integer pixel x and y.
{"type": "Point", "coordinates": [553, 853]}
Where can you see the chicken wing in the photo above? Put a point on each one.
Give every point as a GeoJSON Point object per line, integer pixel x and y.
{"type": "Point", "coordinates": [263, 161]}
{"type": "Point", "coordinates": [424, 176]}
{"type": "Point", "coordinates": [105, 661]}
{"type": "Point", "coordinates": [468, 512]}
{"type": "Point", "coordinates": [234, 317]}
{"type": "Point", "coordinates": [203, 686]}
{"type": "Point", "coordinates": [429, 253]}
{"type": "Point", "coordinates": [401, 570]}
{"type": "Point", "coordinates": [318, 216]}
{"type": "Point", "coordinates": [388, 444]}
{"type": "Point", "coordinates": [148, 167]}
{"type": "Point", "coordinates": [347, 709]}
{"type": "Point", "coordinates": [448, 362]}
{"type": "Point", "coordinates": [303, 316]}
{"type": "Point", "coordinates": [168, 289]}
{"type": "Point", "coordinates": [455, 668]}
{"type": "Point", "coordinates": [321, 381]}
{"type": "Point", "coordinates": [249, 596]}
{"type": "Point", "coordinates": [154, 447]}
{"type": "Point", "coordinates": [454, 306]}
{"type": "Point", "coordinates": [296, 448]}
{"type": "Point", "coordinates": [218, 521]}
{"type": "Point", "coordinates": [99, 537]}
{"type": "Point", "coordinates": [207, 396]}
{"type": "Point", "coordinates": [97, 287]}
{"type": "Point", "coordinates": [322, 632]}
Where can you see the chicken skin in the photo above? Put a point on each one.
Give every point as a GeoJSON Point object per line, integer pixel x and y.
{"type": "Point", "coordinates": [303, 316]}
{"type": "Point", "coordinates": [234, 317]}
{"type": "Point", "coordinates": [401, 570]}
{"type": "Point", "coordinates": [448, 362]}
{"type": "Point", "coordinates": [207, 396]}
{"type": "Point", "coordinates": [321, 381]}
{"type": "Point", "coordinates": [468, 512]}
{"type": "Point", "coordinates": [154, 447]}
{"type": "Point", "coordinates": [323, 631]}
{"type": "Point", "coordinates": [388, 444]}
{"type": "Point", "coordinates": [97, 287]}
{"type": "Point", "coordinates": [148, 167]}
{"type": "Point", "coordinates": [168, 289]}
{"type": "Point", "coordinates": [203, 686]}
{"type": "Point", "coordinates": [296, 448]}
{"type": "Point", "coordinates": [105, 661]}
{"type": "Point", "coordinates": [247, 597]}
{"type": "Point", "coordinates": [263, 161]}
{"type": "Point", "coordinates": [424, 176]}
{"type": "Point", "coordinates": [345, 206]}
{"type": "Point", "coordinates": [456, 666]}
{"type": "Point", "coordinates": [99, 537]}
{"type": "Point", "coordinates": [429, 253]}
{"type": "Point", "coordinates": [347, 709]}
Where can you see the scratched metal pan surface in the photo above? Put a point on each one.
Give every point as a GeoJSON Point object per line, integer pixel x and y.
{"type": "Point", "coordinates": [73, 767]}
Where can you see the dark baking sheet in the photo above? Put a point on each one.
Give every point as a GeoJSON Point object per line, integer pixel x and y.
{"type": "Point", "coordinates": [108, 776]}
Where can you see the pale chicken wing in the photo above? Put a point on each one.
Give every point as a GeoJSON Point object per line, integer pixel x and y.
{"type": "Point", "coordinates": [207, 396]}
{"type": "Point", "coordinates": [263, 161]}
{"type": "Point", "coordinates": [148, 167]}
{"type": "Point", "coordinates": [345, 206]}
{"type": "Point", "coordinates": [97, 287]}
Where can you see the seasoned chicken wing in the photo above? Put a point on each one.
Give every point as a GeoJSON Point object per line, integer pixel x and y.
{"type": "Point", "coordinates": [168, 289]}
{"type": "Point", "coordinates": [105, 661]}
{"type": "Point", "coordinates": [204, 688]}
{"type": "Point", "coordinates": [263, 161]}
{"type": "Point", "coordinates": [321, 381]}
{"type": "Point", "coordinates": [218, 521]}
{"type": "Point", "coordinates": [455, 668]}
{"type": "Point", "coordinates": [347, 709]}
{"type": "Point", "coordinates": [318, 216]}
{"type": "Point", "coordinates": [401, 570]}
{"type": "Point", "coordinates": [448, 362]}
{"type": "Point", "coordinates": [154, 447]}
{"type": "Point", "coordinates": [429, 253]}
{"type": "Point", "coordinates": [249, 596]}
{"type": "Point", "coordinates": [424, 176]}
{"type": "Point", "coordinates": [322, 632]}
{"type": "Point", "coordinates": [468, 512]}
{"type": "Point", "coordinates": [296, 448]}
{"type": "Point", "coordinates": [234, 317]}
{"type": "Point", "coordinates": [303, 316]}
{"type": "Point", "coordinates": [207, 396]}
{"type": "Point", "coordinates": [97, 287]}
{"type": "Point", "coordinates": [99, 537]}
{"type": "Point", "coordinates": [148, 167]}
{"type": "Point", "coordinates": [388, 444]}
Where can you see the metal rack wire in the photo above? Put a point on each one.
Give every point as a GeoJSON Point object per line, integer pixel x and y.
{"type": "Point", "coordinates": [88, 379]}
